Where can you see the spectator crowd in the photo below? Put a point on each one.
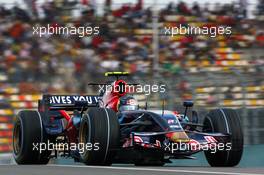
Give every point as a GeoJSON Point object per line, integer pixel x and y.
{"type": "Point", "coordinates": [65, 63]}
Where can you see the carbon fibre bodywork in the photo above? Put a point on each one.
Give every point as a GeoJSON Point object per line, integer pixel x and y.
{"type": "Point", "coordinates": [163, 132]}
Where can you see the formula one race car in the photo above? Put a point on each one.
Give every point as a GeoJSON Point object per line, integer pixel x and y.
{"type": "Point", "coordinates": [110, 128]}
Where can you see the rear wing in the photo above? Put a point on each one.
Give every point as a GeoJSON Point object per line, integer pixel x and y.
{"type": "Point", "coordinates": [107, 74]}
{"type": "Point", "coordinates": [67, 102]}
{"type": "Point", "coordinates": [116, 74]}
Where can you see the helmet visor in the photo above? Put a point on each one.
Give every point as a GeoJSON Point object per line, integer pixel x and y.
{"type": "Point", "coordinates": [128, 107]}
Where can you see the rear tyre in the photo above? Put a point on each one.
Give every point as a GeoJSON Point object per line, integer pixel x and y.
{"type": "Point", "coordinates": [27, 132]}
{"type": "Point", "coordinates": [225, 121]}
{"type": "Point", "coordinates": [100, 129]}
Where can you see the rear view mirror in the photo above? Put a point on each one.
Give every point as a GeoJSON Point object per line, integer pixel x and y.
{"type": "Point", "coordinates": [188, 103]}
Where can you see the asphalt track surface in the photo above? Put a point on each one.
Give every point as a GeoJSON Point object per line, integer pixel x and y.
{"type": "Point", "coordinates": [122, 170]}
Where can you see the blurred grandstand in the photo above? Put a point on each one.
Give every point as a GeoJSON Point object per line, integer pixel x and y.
{"type": "Point", "coordinates": [225, 71]}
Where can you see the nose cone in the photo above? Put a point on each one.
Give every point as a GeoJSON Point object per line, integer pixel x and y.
{"type": "Point", "coordinates": [179, 136]}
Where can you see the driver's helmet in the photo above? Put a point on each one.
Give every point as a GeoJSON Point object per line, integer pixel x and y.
{"type": "Point", "coordinates": [127, 103]}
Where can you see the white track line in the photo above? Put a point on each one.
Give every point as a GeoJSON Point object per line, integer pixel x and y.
{"type": "Point", "coordinates": [156, 169]}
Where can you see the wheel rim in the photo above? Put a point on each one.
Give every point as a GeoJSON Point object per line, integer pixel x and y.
{"type": "Point", "coordinates": [84, 133]}
{"type": "Point", "coordinates": [17, 138]}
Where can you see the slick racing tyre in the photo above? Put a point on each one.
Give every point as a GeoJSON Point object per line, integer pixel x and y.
{"type": "Point", "coordinates": [225, 121]}
{"type": "Point", "coordinates": [100, 129]}
{"type": "Point", "coordinates": [28, 133]}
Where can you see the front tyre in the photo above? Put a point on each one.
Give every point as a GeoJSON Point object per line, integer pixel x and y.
{"type": "Point", "coordinates": [100, 129]}
{"type": "Point", "coordinates": [225, 121]}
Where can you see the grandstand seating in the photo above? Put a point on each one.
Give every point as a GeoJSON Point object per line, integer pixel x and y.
{"type": "Point", "coordinates": [6, 125]}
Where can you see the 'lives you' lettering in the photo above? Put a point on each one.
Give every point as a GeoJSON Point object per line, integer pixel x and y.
{"type": "Point", "coordinates": [71, 99]}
